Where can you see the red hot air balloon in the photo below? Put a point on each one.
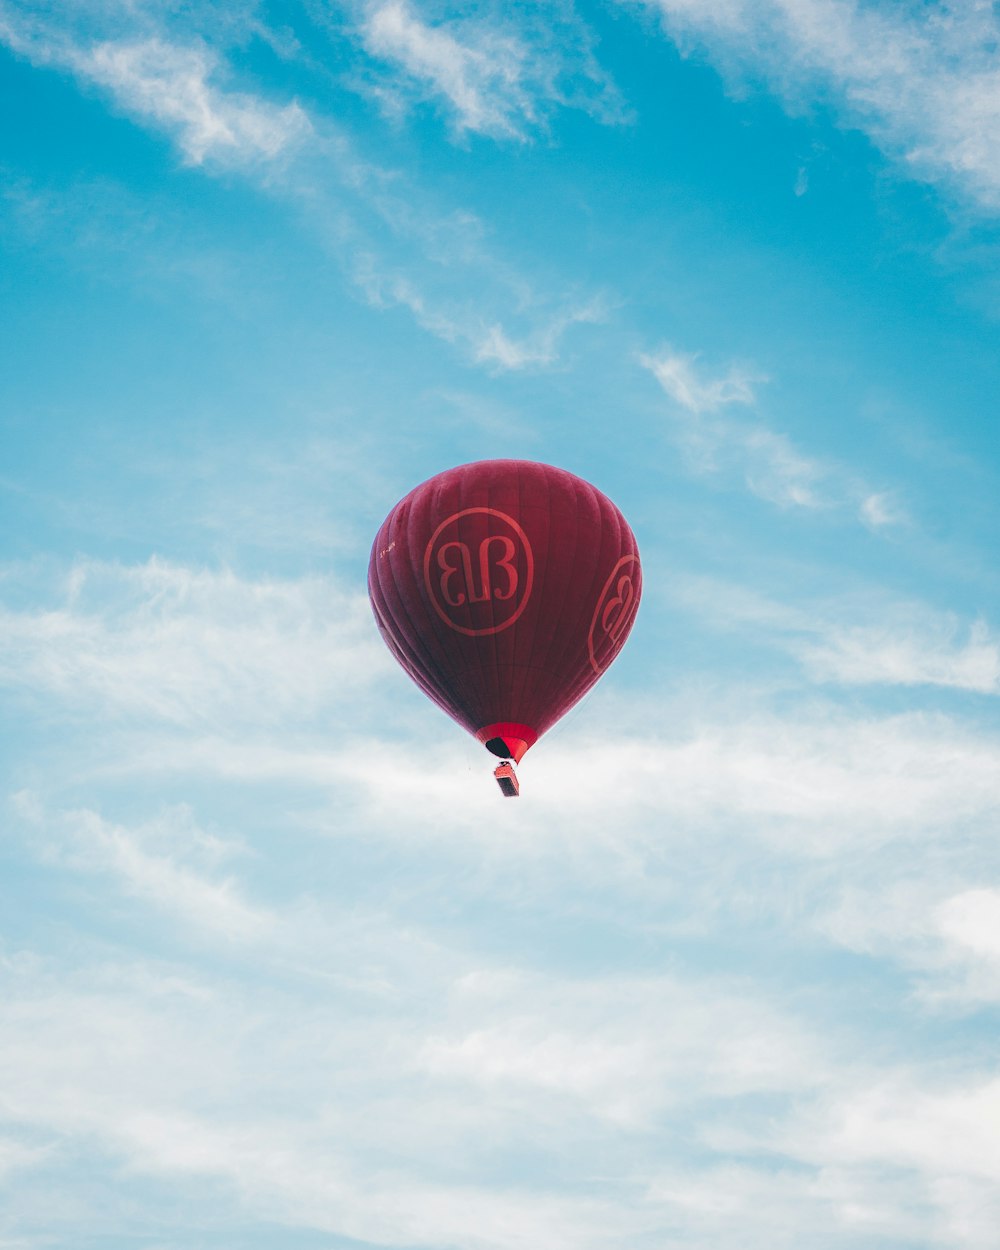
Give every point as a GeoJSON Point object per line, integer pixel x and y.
{"type": "Point", "coordinates": [505, 588]}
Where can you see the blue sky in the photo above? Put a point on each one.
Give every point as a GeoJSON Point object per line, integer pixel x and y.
{"type": "Point", "coordinates": [280, 967]}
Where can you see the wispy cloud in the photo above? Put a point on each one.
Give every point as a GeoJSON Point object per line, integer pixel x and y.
{"type": "Point", "coordinates": [168, 863]}
{"type": "Point", "coordinates": [901, 1157]}
{"type": "Point", "coordinates": [369, 1021]}
{"type": "Point", "coordinates": [171, 86]}
{"type": "Point", "coordinates": [498, 73]}
{"type": "Point", "coordinates": [481, 81]}
{"type": "Point", "coordinates": [880, 509]}
{"type": "Point", "coordinates": [810, 786]}
{"type": "Point", "coordinates": [622, 1050]}
{"type": "Point", "coordinates": [176, 87]}
{"type": "Point", "coordinates": [922, 80]}
{"type": "Point", "coordinates": [938, 1132]}
{"type": "Point", "coordinates": [692, 390]}
{"type": "Point", "coordinates": [488, 343]}
{"type": "Point", "coordinates": [542, 345]}
{"type": "Point", "coordinates": [397, 243]}
{"type": "Point", "coordinates": [921, 652]}
{"type": "Point", "coordinates": [971, 920]}
{"type": "Point", "coordinates": [772, 467]}
{"type": "Point", "coordinates": [157, 1078]}
{"type": "Point", "coordinates": [189, 646]}
{"type": "Point", "coordinates": [871, 641]}
{"type": "Point", "coordinates": [689, 1103]}
{"type": "Point", "coordinates": [15, 1155]}
{"type": "Point", "coordinates": [932, 917]}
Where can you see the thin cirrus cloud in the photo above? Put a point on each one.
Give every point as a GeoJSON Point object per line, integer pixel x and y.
{"type": "Point", "coordinates": [399, 249]}
{"type": "Point", "coordinates": [168, 863]}
{"type": "Point", "coordinates": [154, 1069]}
{"type": "Point", "coordinates": [692, 390]}
{"type": "Point", "coordinates": [772, 467]}
{"type": "Point", "coordinates": [433, 1052]}
{"type": "Point", "coordinates": [172, 86]}
{"type": "Point", "coordinates": [487, 341]}
{"type": "Point", "coordinates": [165, 643]}
{"type": "Point", "coordinates": [497, 73]}
{"type": "Point", "coordinates": [922, 80]}
{"type": "Point", "coordinates": [186, 1117]}
{"type": "Point", "coordinates": [908, 654]}
{"type": "Point", "coordinates": [969, 922]}
{"type": "Point", "coordinates": [259, 675]}
{"type": "Point", "coordinates": [878, 641]}
{"type": "Point", "coordinates": [482, 80]}
{"type": "Point", "coordinates": [820, 785]}
{"type": "Point", "coordinates": [903, 1157]}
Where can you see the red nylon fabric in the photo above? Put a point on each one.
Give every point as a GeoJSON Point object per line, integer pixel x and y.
{"type": "Point", "coordinates": [505, 588]}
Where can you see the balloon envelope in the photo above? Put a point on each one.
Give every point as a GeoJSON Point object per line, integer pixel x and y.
{"type": "Point", "coordinates": [505, 588]}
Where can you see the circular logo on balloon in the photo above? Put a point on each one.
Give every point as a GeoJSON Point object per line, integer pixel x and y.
{"type": "Point", "coordinates": [615, 612]}
{"type": "Point", "coordinates": [478, 570]}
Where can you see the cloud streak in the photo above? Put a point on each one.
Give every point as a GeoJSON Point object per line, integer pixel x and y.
{"type": "Point", "coordinates": [170, 85]}
{"type": "Point", "coordinates": [469, 1086]}
{"type": "Point", "coordinates": [772, 467]}
{"type": "Point", "coordinates": [149, 864]}
{"type": "Point", "coordinates": [863, 641]}
{"type": "Point", "coordinates": [190, 646]}
{"type": "Point", "coordinates": [487, 341]}
{"type": "Point", "coordinates": [921, 80]}
{"type": "Point", "coordinates": [395, 242]}
{"type": "Point", "coordinates": [481, 82]}
{"type": "Point", "coordinates": [496, 72]}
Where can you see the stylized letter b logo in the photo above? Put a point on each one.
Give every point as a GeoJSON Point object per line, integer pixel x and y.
{"type": "Point", "coordinates": [615, 612]}
{"type": "Point", "coordinates": [478, 570]}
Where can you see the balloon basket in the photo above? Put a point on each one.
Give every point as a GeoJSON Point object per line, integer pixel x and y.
{"type": "Point", "coordinates": [507, 780]}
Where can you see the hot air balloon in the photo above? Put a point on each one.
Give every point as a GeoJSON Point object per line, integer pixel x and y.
{"type": "Point", "coordinates": [505, 588]}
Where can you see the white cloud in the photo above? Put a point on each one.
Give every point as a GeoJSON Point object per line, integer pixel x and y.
{"type": "Point", "coordinates": [683, 382]}
{"type": "Point", "coordinates": [880, 509]}
{"type": "Point", "coordinates": [939, 926]}
{"type": "Point", "coordinates": [190, 646]}
{"type": "Point", "coordinates": [945, 1135]}
{"type": "Point", "coordinates": [541, 346]}
{"type": "Point", "coordinates": [170, 86]}
{"type": "Point", "coordinates": [392, 236]}
{"type": "Point", "coordinates": [15, 1155]}
{"type": "Point", "coordinates": [341, 1114]}
{"type": "Point", "coordinates": [356, 1065]}
{"type": "Point", "coordinates": [482, 81]}
{"type": "Point", "coordinates": [626, 1050]}
{"type": "Point", "coordinates": [775, 471]}
{"type": "Point", "coordinates": [606, 806]}
{"type": "Point", "coordinates": [772, 468]}
{"type": "Point", "coordinates": [922, 80]}
{"type": "Point", "coordinates": [437, 1115]}
{"type": "Point", "coordinates": [488, 343]}
{"type": "Point", "coordinates": [804, 786]}
{"type": "Point", "coordinates": [970, 921]}
{"type": "Point", "coordinates": [920, 651]}
{"type": "Point", "coordinates": [497, 71]}
{"type": "Point", "coordinates": [162, 862]}
{"type": "Point", "coordinates": [860, 640]}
